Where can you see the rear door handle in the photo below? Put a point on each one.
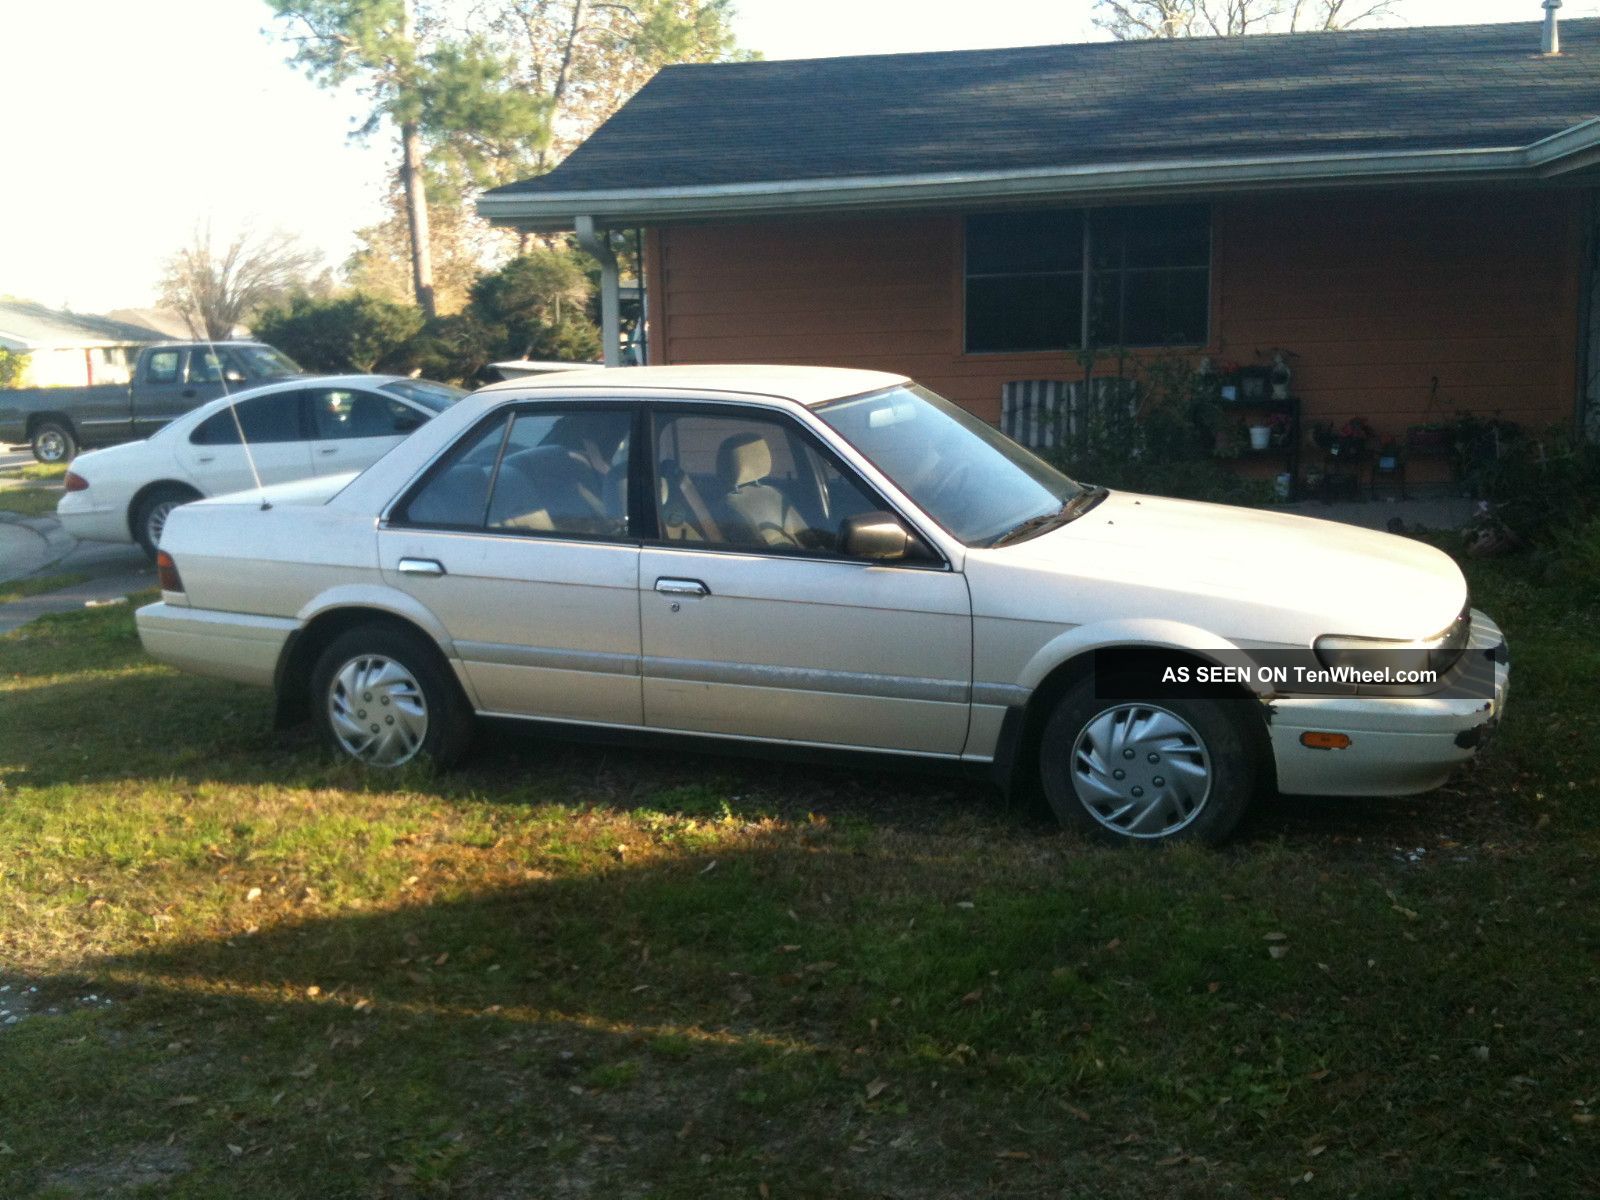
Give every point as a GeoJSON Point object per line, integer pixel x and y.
{"type": "Point", "coordinates": [681, 587]}
{"type": "Point", "coordinates": [421, 566]}
{"type": "Point", "coordinates": [205, 458]}
{"type": "Point", "coordinates": [329, 450]}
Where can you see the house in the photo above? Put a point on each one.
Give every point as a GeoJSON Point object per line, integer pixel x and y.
{"type": "Point", "coordinates": [67, 349]}
{"type": "Point", "coordinates": [1411, 212]}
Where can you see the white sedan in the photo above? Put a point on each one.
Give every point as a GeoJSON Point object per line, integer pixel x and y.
{"type": "Point", "coordinates": [295, 429]}
{"type": "Point", "coordinates": [839, 560]}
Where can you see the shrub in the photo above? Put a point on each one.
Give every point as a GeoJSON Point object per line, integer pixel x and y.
{"type": "Point", "coordinates": [354, 332]}
{"type": "Point", "coordinates": [1154, 429]}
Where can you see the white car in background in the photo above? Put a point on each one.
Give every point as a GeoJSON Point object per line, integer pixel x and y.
{"type": "Point", "coordinates": [295, 429]}
{"type": "Point", "coordinates": [832, 559]}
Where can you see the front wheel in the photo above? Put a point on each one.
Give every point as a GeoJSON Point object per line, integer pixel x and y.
{"type": "Point", "coordinates": [383, 696]}
{"type": "Point", "coordinates": [52, 442]}
{"type": "Point", "coordinates": [1141, 771]}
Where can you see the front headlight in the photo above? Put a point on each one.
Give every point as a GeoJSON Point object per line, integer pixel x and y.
{"type": "Point", "coordinates": [1437, 654]}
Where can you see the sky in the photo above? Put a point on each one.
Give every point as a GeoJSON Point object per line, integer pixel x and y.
{"type": "Point", "coordinates": [128, 125]}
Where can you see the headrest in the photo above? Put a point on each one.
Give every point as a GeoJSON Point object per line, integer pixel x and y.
{"type": "Point", "coordinates": [744, 458]}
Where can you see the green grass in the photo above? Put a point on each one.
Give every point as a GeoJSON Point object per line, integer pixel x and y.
{"type": "Point", "coordinates": [569, 970]}
{"type": "Point", "coordinates": [39, 470]}
{"type": "Point", "coordinates": [38, 585]}
{"type": "Point", "coordinates": [30, 501]}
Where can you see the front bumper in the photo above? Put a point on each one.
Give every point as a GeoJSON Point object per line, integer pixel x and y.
{"type": "Point", "coordinates": [224, 645]}
{"type": "Point", "coordinates": [1398, 746]}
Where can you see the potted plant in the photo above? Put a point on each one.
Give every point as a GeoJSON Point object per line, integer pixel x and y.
{"type": "Point", "coordinates": [1260, 435]}
{"type": "Point", "coordinates": [1279, 426]}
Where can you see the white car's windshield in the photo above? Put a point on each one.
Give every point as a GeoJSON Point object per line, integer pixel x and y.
{"type": "Point", "coordinates": [966, 475]}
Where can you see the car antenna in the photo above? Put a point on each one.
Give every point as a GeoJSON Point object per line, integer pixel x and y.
{"type": "Point", "coordinates": [222, 376]}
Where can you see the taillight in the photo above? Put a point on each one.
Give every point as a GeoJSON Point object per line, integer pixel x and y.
{"type": "Point", "coordinates": [75, 482]}
{"type": "Point", "coordinates": [167, 572]}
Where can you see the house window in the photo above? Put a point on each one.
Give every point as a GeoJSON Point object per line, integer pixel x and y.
{"type": "Point", "coordinates": [1149, 272]}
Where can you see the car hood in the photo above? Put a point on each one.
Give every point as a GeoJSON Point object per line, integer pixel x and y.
{"type": "Point", "coordinates": [1246, 574]}
{"type": "Point", "coordinates": [319, 489]}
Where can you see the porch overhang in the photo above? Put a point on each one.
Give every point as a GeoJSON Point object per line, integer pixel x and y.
{"type": "Point", "coordinates": [1550, 160]}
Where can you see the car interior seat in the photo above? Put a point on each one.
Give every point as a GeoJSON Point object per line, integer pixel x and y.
{"type": "Point", "coordinates": [760, 512]}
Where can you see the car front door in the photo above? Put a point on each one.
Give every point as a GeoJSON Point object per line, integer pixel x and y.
{"type": "Point", "coordinates": [274, 427]}
{"type": "Point", "coordinates": [355, 428]}
{"type": "Point", "coordinates": [521, 543]}
{"type": "Point", "coordinates": [755, 623]}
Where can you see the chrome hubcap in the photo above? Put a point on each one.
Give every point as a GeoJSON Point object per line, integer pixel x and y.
{"type": "Point", "coordinates": [377, 711]}
{"type": "Point", "coordinates": [158, 520]}
{"type": "Point", "coordinates": [1141, 771]}
{"type": "Point", "coordinates": [51, 447]}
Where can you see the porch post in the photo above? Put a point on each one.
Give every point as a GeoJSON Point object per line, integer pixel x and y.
{"type": "Point", "coordinates": [598, 244]}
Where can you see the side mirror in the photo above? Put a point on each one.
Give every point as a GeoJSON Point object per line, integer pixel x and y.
{"type": "Point", "coordinates": [878, 535]}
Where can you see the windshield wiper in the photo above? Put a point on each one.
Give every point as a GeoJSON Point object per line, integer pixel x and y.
{"type": "Point", "coordinates": [1072, 509]}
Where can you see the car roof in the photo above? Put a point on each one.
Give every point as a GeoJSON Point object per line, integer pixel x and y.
{"type": "Point", "coordinates": [805, 385]}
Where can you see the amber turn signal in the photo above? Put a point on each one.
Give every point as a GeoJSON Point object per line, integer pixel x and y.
{"type": "Point", "coordinates": [167, 572]}
{"type": "Point", "coordinates": [1324, 741]}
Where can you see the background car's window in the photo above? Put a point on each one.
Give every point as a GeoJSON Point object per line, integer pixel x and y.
{"type": "Point", "coordinates": [743, 480]}
{"type": "Point", "coordinates": [274, 418]}
{"type": "Point", "coordinates": [436, 396]}
{"type": "Point", "coordinates": [554, 471]}
{"type": "Point", "coordinates": [344, 413]}
{"type": "Point", "coordinates": [163, 367]}
{"type": "Point", "coordinates": [565, 472]}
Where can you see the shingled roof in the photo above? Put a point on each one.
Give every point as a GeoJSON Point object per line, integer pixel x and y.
{"type": "Point", "coordinates": [778, 128]}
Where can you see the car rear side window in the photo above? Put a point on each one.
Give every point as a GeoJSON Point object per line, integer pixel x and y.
{"type": "Point", "coordinates": [162, 367]}
{"type": "Point", "coordinates": [550, 471]}
{"type": "Point", "coordinates": [274, 418]}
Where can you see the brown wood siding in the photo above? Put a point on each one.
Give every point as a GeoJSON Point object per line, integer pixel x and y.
{"type": "Point", "coordinates": [1377, 293]}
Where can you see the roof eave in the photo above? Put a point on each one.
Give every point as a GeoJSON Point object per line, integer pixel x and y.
{"type": "Point", "coordinates": [1543, 160]}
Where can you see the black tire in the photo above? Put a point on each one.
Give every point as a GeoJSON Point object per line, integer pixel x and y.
{"type": "Point", "coordinates": [53, 442]}
{"type": "Point", "coordinates": [1218, 740]}
{"type": "Point", "coordinates": [150, 514]}
{"type": "Point", "coordinates": [448, 716]}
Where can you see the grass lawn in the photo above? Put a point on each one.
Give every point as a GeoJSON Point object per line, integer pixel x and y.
{"type": "Point", "coordinates": [38, 585]}
{"type": "Point", "coordinates": [242, 969]}
{"type": "Point", "coordinates": [30, 501]}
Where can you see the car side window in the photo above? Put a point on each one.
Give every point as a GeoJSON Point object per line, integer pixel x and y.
{"type": "Point", "coordinates": [274, 418]}
{"type": "Point", "coordinates": [743, 480]}
{"type": "Point", "coordinates": [162, 367]}
{"type": "Point", "coordinates": [551, 471]}
{"type": "Point", "coordinates": [344, 413]}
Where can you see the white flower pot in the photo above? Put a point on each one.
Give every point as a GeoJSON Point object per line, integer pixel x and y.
{"type": "Point", "coordinates": [1260, 437]}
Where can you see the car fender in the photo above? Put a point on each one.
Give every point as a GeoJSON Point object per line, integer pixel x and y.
{"type": "Point", "coordinates": [1101, 635]}
{"type": "Point", "coordinates": [384, 599]}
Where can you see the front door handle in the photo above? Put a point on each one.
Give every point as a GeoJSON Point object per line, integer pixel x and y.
{"type": "Point", "coordinates": [421, 566]}
{"type": "Point", "coordinates": [681, 587]}
{"type": "Point", "coordinates": [328, 450]}
{"type": "Point", "coordinates": [205, 458]}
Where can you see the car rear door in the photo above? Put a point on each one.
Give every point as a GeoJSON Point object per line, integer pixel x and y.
{"type": "Point", "coordinates": [354, 427]}
{"type": "Point", "coordinates": [521, 542]}
{"type": "Point", "coordinates": [753, 622]}
{"type": "Point", "coordinates": [274, 425]}
{"type": "Point", "coordinates": [163, 388]}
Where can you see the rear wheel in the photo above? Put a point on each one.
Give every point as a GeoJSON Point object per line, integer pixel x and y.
{"type": "Point", "coordinates": [1141, 771]}
{"type": "Point", "coordinates": [383, 696]}
{"type": "Point", "coordinates": [52, 442]}
{"type": "Point", "coordinates": [150, 515]}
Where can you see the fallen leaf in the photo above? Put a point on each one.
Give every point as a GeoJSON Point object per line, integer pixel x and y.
{"type": "Point", "coordinates": [1275, 937]}
{"type": "Point", "coordinates": [1277, 951]}
{"type": "Point", "coordinates": [876, 1088]}
{"type": "Point", "coordinates": [1018, 1155]}
{"type": "Point", "coordinates": [182, 1101]}
{"type": "Point", "coordinates": [973, 996]}
{"type": "Point", "coordinates": [253, 894]}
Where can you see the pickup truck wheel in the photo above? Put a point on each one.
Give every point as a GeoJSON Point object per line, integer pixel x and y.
{"type": "Point", "coordinates": [383, 696]}
{"type": "Point", "coordinates": [53, 442]}
{"type": "Point", "coordinates": [151, 513]}
{"type": "Point", "coordinates": [1141, 771]}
